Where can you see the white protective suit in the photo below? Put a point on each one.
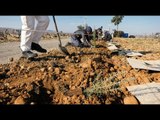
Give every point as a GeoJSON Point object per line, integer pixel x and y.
{"type": "Point", "coordinates": [28, 33]}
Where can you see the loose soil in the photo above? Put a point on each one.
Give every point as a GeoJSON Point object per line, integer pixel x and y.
{"type": "Point", "coordinates": [88, 76]}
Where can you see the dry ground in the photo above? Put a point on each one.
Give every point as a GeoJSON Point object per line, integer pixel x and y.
{"type": "Point", "coordinates": [88, 76]}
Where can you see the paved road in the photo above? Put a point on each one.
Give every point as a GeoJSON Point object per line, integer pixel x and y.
{"type": "Point", "coordinates": [11, 49]}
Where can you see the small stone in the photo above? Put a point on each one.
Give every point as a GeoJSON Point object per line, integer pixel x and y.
{"type": "Point", "coordinates": [48, 92]}
{"type": "Point", "coordinates": [67, 58]}
{"type": "Point", "coordinates": [11, 59]}
{"type": "Point", "coordinates": [50, 68]}
{"type": "Point", "coordinates": [130, 100]}
{"type": "Point", "coordinates": [57, 71]}
{"type": "Point", "coordinates": [86, 64]}
{"type": "Point", "coordinates": [19, 101]}
{"type": "Point", "coordinates": [92, 74]}
{"type": "Point", "coordinates": [42, 69]}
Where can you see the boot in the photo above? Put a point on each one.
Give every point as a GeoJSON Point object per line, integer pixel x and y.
{"type": "Point", "coordinates": [38, 48]}
{"type": "Point", "coordinates": [29, 54]}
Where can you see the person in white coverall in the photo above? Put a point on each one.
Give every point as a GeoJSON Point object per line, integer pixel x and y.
{"type": "Point", "coordinates": [30, 37]}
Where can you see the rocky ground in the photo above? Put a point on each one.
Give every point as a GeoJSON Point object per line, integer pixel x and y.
{"type": "Point", "coordinates": [88, 76]}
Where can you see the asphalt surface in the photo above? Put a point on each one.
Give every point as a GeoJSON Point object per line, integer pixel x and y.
{"type": "Point", "coordinates": [9, 50]}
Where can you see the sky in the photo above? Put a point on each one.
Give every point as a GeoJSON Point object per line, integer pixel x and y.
{"type": "Point", "coordinates": [133, 25]}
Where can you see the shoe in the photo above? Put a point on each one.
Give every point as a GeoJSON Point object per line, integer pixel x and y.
{"type": "Point", "coordinates": [29, 54]}
{"type": "Point", "coordinates": [38, 48]}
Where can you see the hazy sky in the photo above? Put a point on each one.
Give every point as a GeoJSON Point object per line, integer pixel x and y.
{"type": "Point", "coordinates": [137, 25]}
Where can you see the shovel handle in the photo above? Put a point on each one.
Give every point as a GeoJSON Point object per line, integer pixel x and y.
{"type": "Point", "coordinates": [54, 19]}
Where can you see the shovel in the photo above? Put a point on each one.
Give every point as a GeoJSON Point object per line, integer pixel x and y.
{"type": "Point", "coordinates": [63, 49]}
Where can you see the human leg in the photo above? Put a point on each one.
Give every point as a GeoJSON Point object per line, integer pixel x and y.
{"type": "Point", "coordinates": [26, 36]}
{"type": "Point", "coordinates": [43, 22]}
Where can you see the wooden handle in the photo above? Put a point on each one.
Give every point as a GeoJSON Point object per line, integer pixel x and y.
{"type": "Point", "coordinates": [54, 19]}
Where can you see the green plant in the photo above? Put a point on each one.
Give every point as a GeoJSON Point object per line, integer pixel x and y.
{"type": "Point", "coordinates": [106, 85]}
{"type": "Point", "coordinates": [117, 20]}
{"type": "Point", "coordinates": [118, 33]}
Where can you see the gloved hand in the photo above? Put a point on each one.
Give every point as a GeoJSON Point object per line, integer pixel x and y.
{"type": "Point", "coordinates": [81, 45]}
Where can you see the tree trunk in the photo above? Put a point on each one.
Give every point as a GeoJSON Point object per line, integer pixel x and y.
{"type": "Point", "coordinates": [118, 31]}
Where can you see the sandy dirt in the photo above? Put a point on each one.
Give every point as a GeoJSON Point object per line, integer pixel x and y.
{"type": "Point", "coordinates": [87, 76]}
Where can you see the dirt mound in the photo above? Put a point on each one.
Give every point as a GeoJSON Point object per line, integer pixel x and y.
{"type": "Point", "coordinates": [88, 76]}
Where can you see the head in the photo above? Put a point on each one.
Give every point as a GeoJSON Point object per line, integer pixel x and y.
{"type": "Point", "coordinates": [89, 30]}
{"type": "Point", "coordinates": [99, 30]}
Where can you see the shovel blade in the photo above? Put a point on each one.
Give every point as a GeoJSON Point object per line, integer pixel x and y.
{"type": "Point", "coordinates": [64, 50]}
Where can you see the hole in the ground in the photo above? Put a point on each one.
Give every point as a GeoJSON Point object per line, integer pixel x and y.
{"type": "Point", "coordinates": [40, 94]}
{"type": "Point", "coordinates": [40, 97]}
